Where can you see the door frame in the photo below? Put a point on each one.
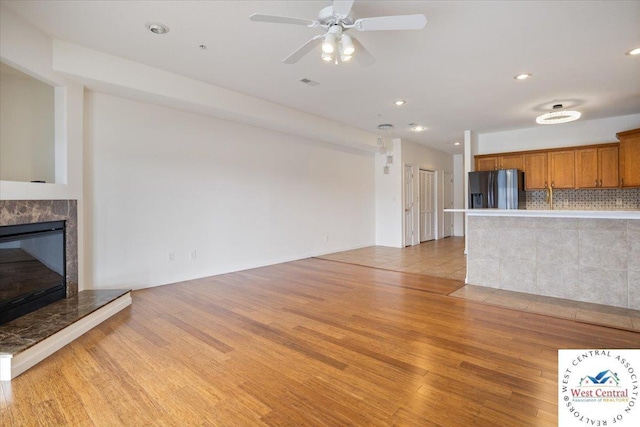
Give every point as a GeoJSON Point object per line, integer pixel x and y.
{"type": "Point", "coordinates": [411, 187]}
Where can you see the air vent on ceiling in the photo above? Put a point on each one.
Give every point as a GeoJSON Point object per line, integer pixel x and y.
{"type": "Point", "coordinates": [309, 82]}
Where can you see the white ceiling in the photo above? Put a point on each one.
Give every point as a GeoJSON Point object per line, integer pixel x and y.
{"type": "Point", "coordinates": [456, 74]}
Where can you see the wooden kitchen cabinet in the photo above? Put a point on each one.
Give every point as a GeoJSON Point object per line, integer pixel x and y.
{"type": "Point", "coordinates": [597, 167]}
{"type": "Point", "coordinates": [506, 161]}
{"type": "Point", "coordinates": [629, 158]}
{"type": "Point", "coordinates": [562, 169]}
{"type": "Point", "coordinates": [535, 171]}
{"type": "Point", "coordinates": [486, 163]}
{"type": "Point", "coordinates": [511, 161]}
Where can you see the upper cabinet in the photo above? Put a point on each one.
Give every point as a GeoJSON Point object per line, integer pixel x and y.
{"type": "Point", "coordinates": [630, 158]}
{"type": "Point", "coordinates": [506, 161]}
{"type": "Point", "coordinates": [562, 169]}
{"type": "Point", "coordinates": [597, 167]}
{"type": "Point", "coordinates": [591, 166]}
{"type": "Point", "coordinates": [486, 163]}
{"type": "Point", "coordinates": [536, 171]}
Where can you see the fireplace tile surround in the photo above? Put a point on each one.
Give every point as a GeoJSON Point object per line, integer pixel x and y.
{"type": "Point", "coordinates": [13, 212]}
{"type": "Point", "coordinates": [29, 339]}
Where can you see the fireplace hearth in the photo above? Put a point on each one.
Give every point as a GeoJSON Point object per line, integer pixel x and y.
{"type": "Point", "coordinates": [32, 267]}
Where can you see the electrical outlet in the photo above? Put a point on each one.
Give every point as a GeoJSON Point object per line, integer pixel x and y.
{"type": "Point", "coordinates": [171, 256]}
{"type": "Point", "coordinates": [193, 255]}
{"type": "Point", "coordinates": [618, 202]}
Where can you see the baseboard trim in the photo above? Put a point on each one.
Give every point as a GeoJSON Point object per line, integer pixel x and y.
{"type": "Point", "coordinates": [13, 365]}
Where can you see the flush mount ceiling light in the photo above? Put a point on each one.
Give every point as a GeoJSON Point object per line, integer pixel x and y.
{"type": "Point", "coordinates": [399, 102]}
{"type": "Point", "coordinates": [633, 52]}
{"type": "Point", "coordinates": [557, 116]}
{"type": "Point", "coordinates": [417, 128]}
{"type": "Point", "coordinates": [385, 126]}
{"type": "Point", "coordinates": [157, 28]}
{"type": "Point", "coordinates": [522, 76]}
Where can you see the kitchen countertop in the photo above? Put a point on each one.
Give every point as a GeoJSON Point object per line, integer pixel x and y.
{"type": "Point", "coordinates": [550, 213]}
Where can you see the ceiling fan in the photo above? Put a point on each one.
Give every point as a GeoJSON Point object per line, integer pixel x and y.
{"type": "Point", "coordinates": [336, 20]}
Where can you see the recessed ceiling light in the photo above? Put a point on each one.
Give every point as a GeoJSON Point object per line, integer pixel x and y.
{"type": "Point", "coordinates": [635, 51]}
{"type": "Point", "coordinates": [456, 143]}
{"type": "Point", "coordinates": [522, 76]}
{"type": "Point", "coordinates": [157, 28]}
{"type": "Point", "coordinates": [417, 128]}
{"type": "Point", "coordinates": [399, 102]}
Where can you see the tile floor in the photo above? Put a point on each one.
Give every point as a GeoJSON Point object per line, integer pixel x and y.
{"type": "Point", "coordinates": [445, 258]}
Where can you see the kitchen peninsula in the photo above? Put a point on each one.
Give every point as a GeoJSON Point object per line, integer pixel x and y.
{"type": "Point", "coordinates": [589, 256]}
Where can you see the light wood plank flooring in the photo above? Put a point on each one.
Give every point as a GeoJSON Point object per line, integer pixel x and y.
{"type": "Point", "coordinates": [439, 258]}
{"type": "Point", "coordinates": [445, 258]}
{"type": "Point", "coordinates": [311, 342]}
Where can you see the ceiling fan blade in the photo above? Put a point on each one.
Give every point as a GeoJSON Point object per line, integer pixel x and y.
{"type": "Point", "coordinates": [362, 55]}
{"type": "Point", "coordinates": [342, 7]}
{"type": "Point", "coordinates": [399, 22]}
{"type": "Point", "coordinates": [303, 50]}
{"type": "Point", "coordinates": [258, 17]}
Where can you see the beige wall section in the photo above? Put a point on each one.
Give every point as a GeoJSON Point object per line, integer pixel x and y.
{"type": "Point", "coordinates": [584, 259]}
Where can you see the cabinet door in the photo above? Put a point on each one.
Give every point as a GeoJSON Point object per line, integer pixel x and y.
{"type": "Point", "coordinates": [630, 159]}
{"type": "Point", "coordinates": [486, 163]}
{"type": "Point", "coordinates": [535, 167]}
{"type": "Point", "coordinates": [562, 169]}
{"type": "Point", "coordinates": [587, 168]}
{"type": "Point", "coordinates": [608, 167]}
{"type": "Point", "coordinates": [512, 161]}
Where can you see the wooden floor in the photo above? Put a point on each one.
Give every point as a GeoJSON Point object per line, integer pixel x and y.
{"type": "Point", "coordinates": [311, 342]}
{"type": "Point", "coordinates": [440, 258]}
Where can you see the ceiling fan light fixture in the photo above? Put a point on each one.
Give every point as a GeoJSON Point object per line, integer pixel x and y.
{"type": "Point", "coordinates": [347, 45]}
{"type": "Point", "coordinates": [327, 57]}
{"type": "Point", "coordinates": [633, 52]}
{"type": "Point", "coordinates": [345, 58]}
{"type": "Point", "coordinates": [558, 116]}
{"type": "Point", "coordinates": [329, 43]}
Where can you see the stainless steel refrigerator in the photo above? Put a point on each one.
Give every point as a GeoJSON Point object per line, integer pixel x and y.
{"type": "Point", "coordinates": [501, 189]}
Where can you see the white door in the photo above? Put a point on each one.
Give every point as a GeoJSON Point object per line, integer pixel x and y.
{"type": "Point", "coordinates": [427, 204]}
{"type": "Point", "coordinates": [447, 193]}
{"type": "Point", "coordinates": [408, 205]}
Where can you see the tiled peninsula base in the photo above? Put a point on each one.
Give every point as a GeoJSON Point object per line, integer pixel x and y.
{"type": "Point", "coordinates": [31, 338]}
{"type": "Point", "coordinates": [578, 255]}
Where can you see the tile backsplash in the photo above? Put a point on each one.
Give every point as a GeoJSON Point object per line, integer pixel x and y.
{"type": "Point", "coordinates": [587, 200]}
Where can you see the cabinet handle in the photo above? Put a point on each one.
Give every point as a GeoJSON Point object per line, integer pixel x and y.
{"type": "Point", "coordinates": [600, 183]}
{"type": "Point", "coordinates": [596, 182]}
{"type": "Point", "coordinates": [621, 182]}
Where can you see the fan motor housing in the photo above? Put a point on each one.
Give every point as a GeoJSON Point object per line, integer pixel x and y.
{"type": "Point", "coordinates": [326, 17]}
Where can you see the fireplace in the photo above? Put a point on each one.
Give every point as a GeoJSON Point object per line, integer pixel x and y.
{"type": "Point", "coordinates": [32, 267]}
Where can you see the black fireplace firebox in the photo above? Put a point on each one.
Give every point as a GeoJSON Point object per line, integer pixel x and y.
{"type": "Point", "coordinates": [32, 267]}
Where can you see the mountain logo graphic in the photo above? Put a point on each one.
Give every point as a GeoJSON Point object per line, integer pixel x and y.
{"type": "Point", "coordinates": [603, 378]}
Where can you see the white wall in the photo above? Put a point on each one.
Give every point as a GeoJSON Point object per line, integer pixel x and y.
{"type": "Point", "coordinates": [421, 157]}
{"type": "Point", "coordinates": [26, 128]}
{"type": "Point", "coordinates": [580, 132]}
{"type": "Point", "coordinates": [458, 194]}
{"type": "Point", "coordinates": [389, 210]}
{"type": "Point", "coordinates": [160, 180]}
